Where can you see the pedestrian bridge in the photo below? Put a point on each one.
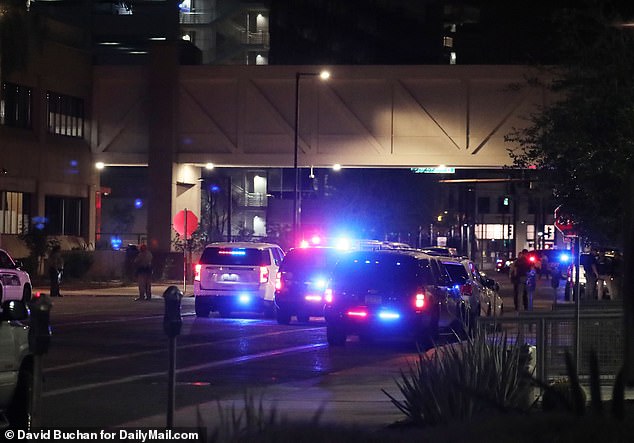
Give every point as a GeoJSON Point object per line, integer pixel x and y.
{"type": "Point", "coordinates": [363, 116]}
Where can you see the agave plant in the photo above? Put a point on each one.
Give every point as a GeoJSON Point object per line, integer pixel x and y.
{"type": "Point", "coordinates": [458, 381]}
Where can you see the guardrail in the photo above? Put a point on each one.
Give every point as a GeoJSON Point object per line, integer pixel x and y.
{"type": "Point", "coordinates": [553, 334]}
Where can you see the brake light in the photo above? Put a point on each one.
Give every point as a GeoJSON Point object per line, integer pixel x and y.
{"type": "Point", "coordinates": [278, 281]}
{"type": "Point", "coordinates": [466, 289]}
{"type": "Point", "coordinates": [328, 295]}
{"type": "Point", "coordinates": [360, 314]}
{"type": "Point", "coordinates": [419, 299]}
{"type": "Point", "coordinates": [197, 270]}
{"type": "Point", "coordinates": [264, 274]}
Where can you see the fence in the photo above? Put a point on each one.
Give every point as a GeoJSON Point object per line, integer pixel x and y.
{"type": "Point", "coordinates": [553, 334]}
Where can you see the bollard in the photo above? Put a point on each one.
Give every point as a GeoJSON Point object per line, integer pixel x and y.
{"type": "Point", "coordinates": [39, 341]}
{"type": "Point", "coordinates": [172, 323]}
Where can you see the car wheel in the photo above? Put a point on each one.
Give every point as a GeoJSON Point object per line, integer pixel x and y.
{"type": "Point", "coordinates": [269, 310]}
{"type": "Point", "coordinates": [19, 411]}
{"type": "Point", "coordinates": [335, 336]}
{"type": "Point", "coordinates": [283, 316]}
{"type": "Point", "coordinates": [26, 294]}
{"type": "Point", "coordinates": [303, 318]}
{"type": "Point", "coordinates": [224, 313]}
{"type": "Point", "coordinates": [202, 308]}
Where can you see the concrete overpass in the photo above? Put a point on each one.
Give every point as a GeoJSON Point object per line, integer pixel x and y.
{"type": "Point", "coordinates": [176, 119]}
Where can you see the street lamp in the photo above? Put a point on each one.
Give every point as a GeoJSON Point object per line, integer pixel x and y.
{"type": "Point", "coordinates": [324, 75]}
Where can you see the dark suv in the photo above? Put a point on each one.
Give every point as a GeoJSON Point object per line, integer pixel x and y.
{"type": "Point", "coordinates": [301, 281]}
{"type": "Point", "coordinates": [394, 293]}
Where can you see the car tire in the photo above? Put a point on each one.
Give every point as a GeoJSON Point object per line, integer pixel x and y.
{"type": "Point", "coordinates": [224, 313]}
{"type": "Point", "coordinates": [19, 411]}
{"type": "Point", "coordinates": [26, 294]}
{"type": "Point", "coordinates": [202, 308]}
{"type": "Point", "coordinates": [269, 310]}
{"type": "Point", "coordinates": [335, 336]}
{"type": "Point", "coordinates": [283, 316]}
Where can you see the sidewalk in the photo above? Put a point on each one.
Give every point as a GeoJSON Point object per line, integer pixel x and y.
{"type": "Point", "coordinates": [114, 288]}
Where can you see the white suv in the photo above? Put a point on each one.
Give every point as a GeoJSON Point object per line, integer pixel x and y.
{"type": "Point", "coordinates": [233, 277]}
{"type": "Point", "coordinates": [16, 366]}
{"type": "Point", "coordinates": [15, 283]}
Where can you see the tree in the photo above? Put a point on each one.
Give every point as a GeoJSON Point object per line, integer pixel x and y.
{"type": "Point", "coordinates": [582, 144]}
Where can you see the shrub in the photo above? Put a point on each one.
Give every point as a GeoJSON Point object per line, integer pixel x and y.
{"type": "Point", "coordinates": [77, 263]}
{"type": "Point", "coordinates": [454, 383]}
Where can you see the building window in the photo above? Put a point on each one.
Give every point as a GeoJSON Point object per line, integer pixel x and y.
{"type": "Point", "coordinates": [65, 115]}
{"type": "Point", "coordinates": [504, 205]}
{"type": "Point", "coordinates": [65, 215]}
{"type": "Point", "coordinates": [16, 104]}
{"type": "Point", "coordinates": [484, 205]}
{"type": "Point", "coordinates": [14, 212]}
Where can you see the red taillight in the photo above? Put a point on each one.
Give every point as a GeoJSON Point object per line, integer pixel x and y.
{"type": "Point", "coordinates": [264, 274]}
{"type": "Point", "coordinates": [328, 295]}
{"type": "Point", "coordinates": [466, 289]}
{"type": "Point", "coordinates": [357, 313]}
{"type": "Point", "coordinates": [419, 299]}
{"type": "Point", "coordinates": [197, 270]}
{"type": "Point", "coordinates": [278, 281]}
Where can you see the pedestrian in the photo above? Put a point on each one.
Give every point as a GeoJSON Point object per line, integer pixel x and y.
{"type": "Point", "coordinates": [590, 268]}
{"type": "Point", "coordinates": [55, 270]}
{"type": "Point", "coordinates": [545, 267]}
{"type": "Point", "coordinates": [603, 269]}
{"type": "Point", "coordinates": [128, 266]}
{"type": "Point", "coordinates": [143, 267]}
{"type": "Point", "coordinates": [531, 284]}
{"type": "Point", "coordinates": [555, 277]}
{"type": "Point", "coordinates": [519, 272]}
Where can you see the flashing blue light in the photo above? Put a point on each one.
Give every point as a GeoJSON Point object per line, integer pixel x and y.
{"type": "Point", "coordinates": [74, 163]}
{"type": "Point", "coordinates": [115, 242]}
{"type": "Point", "coordinates": [244, 299]}
{"type": "Point", "coordinates": [389, 315]}
{"type": "Point", "coordinates": [138, 203]}
{"type": "Point", "coordinates": [319, 283]}
{"type": "Point", "coordinates": [214, 188]}
{"type": "Point", "coordinates": [564, 258]}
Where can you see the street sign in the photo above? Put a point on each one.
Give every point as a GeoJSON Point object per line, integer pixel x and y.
{"type": "Point", "coordinates": [185, 223]}
{"type": "Point", "coordinates": [564, 223]}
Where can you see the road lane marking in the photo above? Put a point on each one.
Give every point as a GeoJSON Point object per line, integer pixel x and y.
{"type": "Point", "coordinates": [215, 364]}
{"type": "Point", "coordinates": [179, 347]}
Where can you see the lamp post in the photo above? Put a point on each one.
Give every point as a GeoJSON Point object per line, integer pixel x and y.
{"type": "Point", "coordinates": [324, 75]}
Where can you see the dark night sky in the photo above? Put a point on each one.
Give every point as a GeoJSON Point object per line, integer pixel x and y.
{"type": "Point", "coordinates": [411, 32]}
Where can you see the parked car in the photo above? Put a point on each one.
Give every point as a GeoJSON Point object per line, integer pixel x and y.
{"type": "Point", "coordinates": [236, 277]}
{"type": "Point", "coordinates": [15, 283]}
{"type": "Point", "coordinates": [466, 278]}
{"type": "Point", "coordinates": [390, 293]}
{"type": "Point", "coordinates": [16, 366]}
{"type": "Point", "coordinates": [301, 282]}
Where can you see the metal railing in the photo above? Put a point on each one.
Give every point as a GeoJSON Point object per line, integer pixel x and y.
{"type": "Point", "coordinates": [553, 334]}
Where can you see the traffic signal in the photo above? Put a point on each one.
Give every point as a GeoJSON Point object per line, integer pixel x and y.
{"type": "Point", "coordinates": [506, 201]}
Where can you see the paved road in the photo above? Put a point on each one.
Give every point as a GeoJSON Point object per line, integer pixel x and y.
{"type": "Point", "coordinates": [107, 365]}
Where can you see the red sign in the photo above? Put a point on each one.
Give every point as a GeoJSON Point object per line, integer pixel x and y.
{"type": "Point", "coordinates": [564, 223]}
{"type": "Point", "coordinates": [185, 223]}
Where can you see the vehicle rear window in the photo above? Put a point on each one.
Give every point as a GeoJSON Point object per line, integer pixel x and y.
{"type": "Point", "coordinates": [235, 256]}
{"type": "Point", "coordinates": [299, 260]}
{"type": "Point", "coordinates": [383, 273]}
{"type": "Point", "coordinates": [457, 272]}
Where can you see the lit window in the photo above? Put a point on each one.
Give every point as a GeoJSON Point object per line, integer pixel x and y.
{"type": "Point", "coordinates": [452, 58]}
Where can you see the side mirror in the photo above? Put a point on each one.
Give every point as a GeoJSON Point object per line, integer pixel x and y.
{"type": "Point", "coordinates": [14, 310]}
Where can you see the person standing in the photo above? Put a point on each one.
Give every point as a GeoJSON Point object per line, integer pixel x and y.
{"type": "Point", "coordinates": [531, 284]}
{"type": "Point", "coordinates": [520, 270]}
{"type": "Point", "coordinates": [143, 267]}
{"type": "Point", "coordinates": [55, 270]}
